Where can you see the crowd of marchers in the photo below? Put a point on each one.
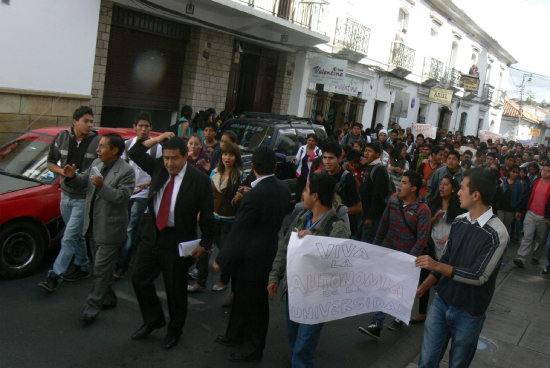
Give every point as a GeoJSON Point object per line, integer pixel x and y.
{"type": "Point", "coordinates": [453, 202]}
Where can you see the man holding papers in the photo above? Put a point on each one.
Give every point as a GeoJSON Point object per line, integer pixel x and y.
{"type": "Point", "coordinates": [178, 193]}
{"type": "Point", "coordinates": [319, 218]}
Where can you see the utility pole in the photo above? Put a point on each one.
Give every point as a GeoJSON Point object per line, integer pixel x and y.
{"type": "Point", "coordinates": [521, 91]}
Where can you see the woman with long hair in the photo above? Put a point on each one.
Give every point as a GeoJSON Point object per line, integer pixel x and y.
{"type": "Point", "coordinates": [445, 207]}
{"type": "Point", "coordinates": [226, 179]}
{"type": "Point", "coordinates": [197, 156]}
{"type": "Point", "coordinates": [398, 163]}
{"type": "Point", "coordinates": [304, 159]}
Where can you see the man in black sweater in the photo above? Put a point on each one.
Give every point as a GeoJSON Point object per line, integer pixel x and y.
{"type": "Point", "coordinates": [373, 190]}
{"type": "Point", "coordinates": [465, 275]}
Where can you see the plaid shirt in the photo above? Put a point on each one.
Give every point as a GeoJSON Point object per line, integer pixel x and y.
{"type": "Point", "coordinates": [395, 234]}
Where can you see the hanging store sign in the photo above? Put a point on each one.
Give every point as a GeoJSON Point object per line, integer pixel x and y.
{"type": "Point", "coordinates": [535, 132]}
{"type": "Point", "coordinates": [350, 86]}
{"type": "Point", "coordinates": [469, 83]}
{"type": "Point", "coordinates": [328, 71]}
{"type": "Point", "coordinates": [441, 96]}
{"type": "Point", "coordinates": [427, 130]}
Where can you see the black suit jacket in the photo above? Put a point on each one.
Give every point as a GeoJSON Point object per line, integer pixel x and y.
{"type": "Point", "coordinates": [194, 197]}
{"type": "Point", "coordinates": [251, 245]}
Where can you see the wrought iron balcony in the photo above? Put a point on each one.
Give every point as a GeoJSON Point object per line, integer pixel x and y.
{"type": "Point", "coordinates": [452, 77]}
{"type": "Point", "coordinates": [352, 35]}
{"type": "Point", "coordinates": [432, 71]}
{"type": "Point", "coordinates": [308, 14]}
{"type": "Point", "coordinates": [487, 94]}
{"type": "Point", "coordinates": [402, 56]}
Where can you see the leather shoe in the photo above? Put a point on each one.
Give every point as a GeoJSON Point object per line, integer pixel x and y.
{"type": "Point", "coordinates": [171, 340]}
{"type": "Point", "coordinates": [87, 320]}
{"type": "Point", "coordinates": [238, 357]}
{"type": "Point", "coordinates": [146, 329]}
{"type": "Point", "coordinates": [223, 340]}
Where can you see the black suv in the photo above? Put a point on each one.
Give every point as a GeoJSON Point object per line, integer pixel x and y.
{"type": "Point", "coordinates": [282, 133]}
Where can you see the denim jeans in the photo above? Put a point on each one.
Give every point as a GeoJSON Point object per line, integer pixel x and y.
{"type": "Point", "coordinates": [73, 242]}
{"type": "Point", "coordinates": [446, 322]}
{"type": "Point", "coordinates": [367, 235]}
{"type": "Point", "coordinates": [378, 318]}
{"type": "Point", "coordinates": [136, 206]}
{"type": "Point", "coordinates": [303, 340]}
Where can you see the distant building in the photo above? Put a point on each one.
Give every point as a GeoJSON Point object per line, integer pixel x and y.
{"type": "Point", "coordinates": [520, 128]}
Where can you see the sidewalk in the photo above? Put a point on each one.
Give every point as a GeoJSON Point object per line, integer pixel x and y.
{"type": "Point", "coordinates": [516, 332]}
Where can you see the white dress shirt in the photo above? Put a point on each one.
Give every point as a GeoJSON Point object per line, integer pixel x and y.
{"type": "Point", "coordinates": [255, 182]}
{"type": "Point", "coordinates": [158, 197]}
{"type": "Point", "coordinates": [481, 220]}
{"type": "Point", "coordinates": [141, 176]}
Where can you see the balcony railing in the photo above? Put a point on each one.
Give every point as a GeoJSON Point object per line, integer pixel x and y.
{"type": "Point", "coordinates": [308, 14]}
{"type": "Point", "coordinates": [433, 69]}
{"type": "Point", "coordinates": [487, 94]}
{"type": "Point", "coordinates": [402, 56]}
{"type": "Point", "coordinates": [452, 77]}
{"type": "Point", "coordinates": [352, 35]}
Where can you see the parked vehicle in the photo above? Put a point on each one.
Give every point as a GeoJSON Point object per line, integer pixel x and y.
{"type": "Point", "coordinates": [30, 218]}
{"type": "Point", "coordinates": [283, 133]}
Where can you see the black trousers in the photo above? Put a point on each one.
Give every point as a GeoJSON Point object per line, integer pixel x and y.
{"type": "Point", "coordinates": [161, 255]}
{"type": "Point", "coordinates": [249, 317]}
{"type": "Point", "coordinates": [221, 229]}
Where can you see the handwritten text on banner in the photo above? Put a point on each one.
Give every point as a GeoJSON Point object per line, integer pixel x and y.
{"type": "Point", "coordinates": [330, 279]}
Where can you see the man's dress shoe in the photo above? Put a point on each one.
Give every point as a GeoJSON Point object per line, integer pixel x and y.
{"type": "Point", "coordinates": [146, 330]}
{"type": "Point", "coordinates": [171, 340]}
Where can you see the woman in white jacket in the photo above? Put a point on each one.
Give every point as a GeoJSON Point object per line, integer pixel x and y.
{"type": "Point", "coordinates": [304, 158]}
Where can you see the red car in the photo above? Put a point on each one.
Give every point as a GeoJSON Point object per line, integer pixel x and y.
{"type": "Point", "coordinates": [30, 218]}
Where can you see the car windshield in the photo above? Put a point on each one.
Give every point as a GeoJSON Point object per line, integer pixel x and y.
{"type": "Point", "coordinates": [290, 140]}
{"type": "Point", "coordinates": [251, 136]}
{"type": "Point", "coordinates": [27, 158]}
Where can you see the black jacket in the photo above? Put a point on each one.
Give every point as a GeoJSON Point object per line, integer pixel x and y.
{"type": "Point", "coordinates": [251, 245]}
{"type": "Point", "coordinates": [194, 197]}
{"type": "Point", "coordinates": [373, 191]}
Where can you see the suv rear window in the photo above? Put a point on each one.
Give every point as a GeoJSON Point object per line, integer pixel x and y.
{"type": "Point", "coordinates": [251, 136]}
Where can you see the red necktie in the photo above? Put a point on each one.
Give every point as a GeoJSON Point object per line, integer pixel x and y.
{"type": "Point", "coordinates": [164, 208]}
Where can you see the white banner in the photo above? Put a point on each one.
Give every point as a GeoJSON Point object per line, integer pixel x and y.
{"type": "Point", "coordinates": [331, 278]}
{"type": "Point", "coordinates": [427, 130]}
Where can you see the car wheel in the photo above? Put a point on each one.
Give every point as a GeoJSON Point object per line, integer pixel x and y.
{"type": "Point", "coordinates": [21, 249]}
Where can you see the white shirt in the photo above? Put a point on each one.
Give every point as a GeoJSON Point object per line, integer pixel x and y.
{"type": "Point", "coordinates": [141, 176]}
{"type": "Point", "coordinates": [255, 182]}
{"type": "Point", "coordinates": [158, 197]}
{"type": "Point", "coordinates": [481, 220]}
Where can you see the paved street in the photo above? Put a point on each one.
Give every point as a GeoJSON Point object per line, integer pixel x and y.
{"type": "Point", "coordinates": [42, 330]}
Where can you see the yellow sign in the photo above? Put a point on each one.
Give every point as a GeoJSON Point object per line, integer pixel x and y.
{"type": "Point", "coordinates": [469, 83]}
{"type": "Point", "coordinates": [535, 132]}
{"type": "Point", "coordinates": [441, 96]}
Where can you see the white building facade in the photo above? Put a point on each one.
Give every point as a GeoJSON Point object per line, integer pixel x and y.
{"type": "Point", "coordinates": [392, 71]}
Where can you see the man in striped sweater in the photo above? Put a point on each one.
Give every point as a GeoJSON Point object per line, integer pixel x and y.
{"type": "Point", "coordinates": [405, 226]}
{"type": "Point", "coordinates": [465, 275]}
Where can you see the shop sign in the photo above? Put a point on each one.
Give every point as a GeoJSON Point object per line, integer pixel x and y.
{"type": "Point", "coordinates": [441, 96]}
{"type": "Point", "coordinates": [427, 130]}
{"type": "Point", "coordinates": [328, 71]}
{"type": "Point", "coordinates": [535, 132]}
{"type": "Point", "coordinates": [349, 86]}
{"type": "Point", "coordinates": [469, 83]}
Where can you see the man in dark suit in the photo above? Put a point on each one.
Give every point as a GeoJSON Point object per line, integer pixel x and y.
{"type": "Point", "coordinates": [249, 252]}
{"type": "Point", "coordinates": [178, 193]}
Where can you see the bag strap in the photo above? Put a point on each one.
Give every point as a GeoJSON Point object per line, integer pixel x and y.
{"type": "Point", "coordinates": [406, 222]}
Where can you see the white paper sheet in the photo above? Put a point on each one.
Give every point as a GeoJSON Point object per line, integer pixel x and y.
{"type": "Point", "coordinates": [187, 247]}
{"type": "Point", "coordinates": [330, 278]}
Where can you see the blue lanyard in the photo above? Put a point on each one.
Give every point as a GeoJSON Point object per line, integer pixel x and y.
{"type": "Point", "coordinates": [309, 216]}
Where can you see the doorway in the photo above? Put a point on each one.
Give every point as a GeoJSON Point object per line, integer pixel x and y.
{"type": "Point", "coordinates": [251, 79]}
{"type": "Point", "coordinates": [444, 118]}
{"type": "Point", "coordinates": [378, 113]}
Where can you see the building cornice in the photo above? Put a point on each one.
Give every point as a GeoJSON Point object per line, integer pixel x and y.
{"type": "Point", "coordinates": [458, 17]}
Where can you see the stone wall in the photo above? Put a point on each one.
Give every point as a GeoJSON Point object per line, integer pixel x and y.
{"type": "Point", "coordinates": [100, 64]}
{"type": "Point", "coordinates": [22, 112]}
{"type": "Point", "coordinates": [206, 69]}
{"type": "Point", "coordinates": [283, 83]}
